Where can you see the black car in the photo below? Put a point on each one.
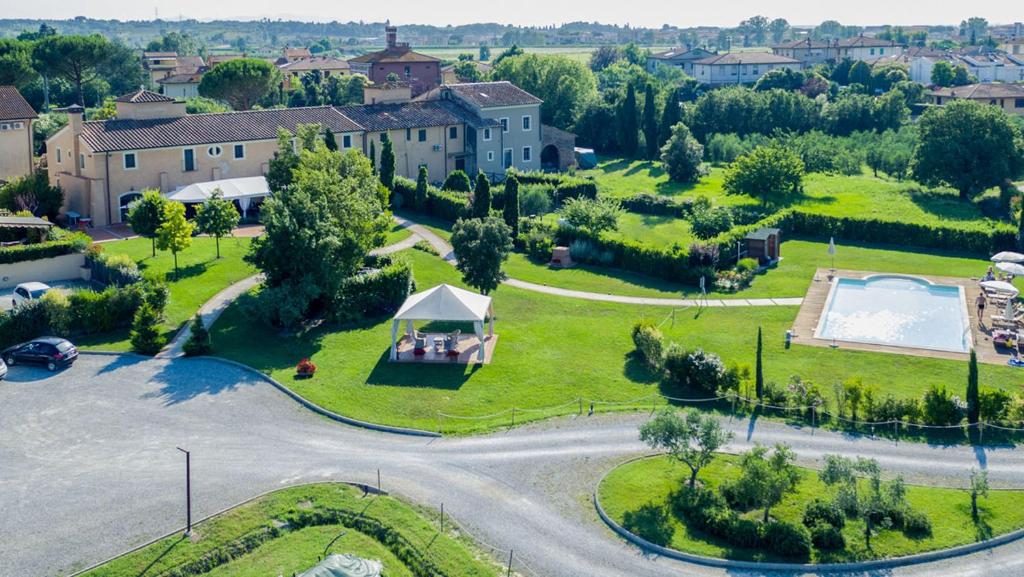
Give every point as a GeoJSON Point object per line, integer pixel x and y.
{"type": "Point", "coordinates": [53, 352]}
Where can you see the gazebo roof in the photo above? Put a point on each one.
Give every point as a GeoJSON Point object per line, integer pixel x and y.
{"type": "Point", "coordinates": [24, 222]}
{"type": "Point", "coordinates": [445, 303]}
{"type": "Point", "coordinates": [233, 188]}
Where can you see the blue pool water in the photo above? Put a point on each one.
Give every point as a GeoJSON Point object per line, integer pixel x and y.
{"type": "Point", "coordinates": [896, 311]}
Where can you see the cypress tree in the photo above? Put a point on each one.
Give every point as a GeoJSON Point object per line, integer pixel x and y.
{"type": "Point", "coordinates": [373, 156]}
{"type": "Point", "coordinates": [759, 368]}
{"type": "Point", "coordinates": [421, 189]}
{"type": "Point", "coordinates": [650, 123]}
{"type": "Point", "coordinates": [511, 212]}
{"type": "Point", "coordinates": [329, 140]}
{"type": "Point", "coordinates": [628, 123]}
{"type": "Point", "coordinates": [670, 116]}
{"type": "Point", "coordinates": [387, 164]}
{"type": "Point", "coordinates": [973, 410]}
{"type": "Point", "coordinates": [482, 197]}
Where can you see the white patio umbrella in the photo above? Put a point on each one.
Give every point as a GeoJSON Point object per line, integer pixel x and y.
{"type": "Point", "coordinates": [1007, 256]}
{"type": "Point", "coordinates": [1000, 287]}
{"type": "Point", "coordinates": [1011, 267]}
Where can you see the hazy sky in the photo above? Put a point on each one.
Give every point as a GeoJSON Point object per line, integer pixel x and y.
{"type": "Point", "coordinates": [533, 12]}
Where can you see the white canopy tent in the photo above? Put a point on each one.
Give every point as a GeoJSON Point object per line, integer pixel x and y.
{"type": "Point", "coordinates": [444, 303]}
{"type": "Point", "coordinates": [241, 189]}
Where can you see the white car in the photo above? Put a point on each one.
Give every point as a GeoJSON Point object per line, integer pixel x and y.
{"type": "Point", "coordinates": [3, 370]}
{"type": "Point", "coordinates": [28, 292]}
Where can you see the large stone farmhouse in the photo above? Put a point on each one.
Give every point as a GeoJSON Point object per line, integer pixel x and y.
{"type": "Point", "coordinates": [102, 166]}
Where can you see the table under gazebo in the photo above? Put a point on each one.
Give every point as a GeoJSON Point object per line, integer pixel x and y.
{"type": "Point", "coordinates": [444, 303]}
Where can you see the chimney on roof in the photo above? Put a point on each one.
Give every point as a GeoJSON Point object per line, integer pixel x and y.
{"type": "Point", "coordinates": [392, 35]}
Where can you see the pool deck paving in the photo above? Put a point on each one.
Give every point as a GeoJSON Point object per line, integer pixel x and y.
{"type": "Point", "coordinates": [814, 304]}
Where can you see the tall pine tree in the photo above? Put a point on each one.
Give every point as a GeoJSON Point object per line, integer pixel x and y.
{"type": "Point", "coordinates": [387, 164]}
{"type": "Point", "coordinates": [650, 123]}
{"type": "Point", "coordinates": [670, 116]}
{"type": "Point", "coordinates": [482, 197]}
{"type": "Point", "coordinates": [511, 198]}
{"type": "Point", "coordinates": [628, 123]}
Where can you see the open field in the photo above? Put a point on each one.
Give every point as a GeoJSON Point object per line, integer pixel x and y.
{"type": "Point", "coordinates": [289, 538]}
{"type": "Point", "coordinates": [650, 481]}
{"type": "Point", "coordinates": [552, 351]}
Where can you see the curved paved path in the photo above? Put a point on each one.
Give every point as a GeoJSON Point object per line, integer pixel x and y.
{"type": "Point", "coordinates": [90, 468]}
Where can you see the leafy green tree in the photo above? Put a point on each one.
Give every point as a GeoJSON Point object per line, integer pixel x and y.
{"type": "Point", "coordinates": [217, 217]}
{"type": "Point", "coordinates": [771, 173]}
{"type": "Point", "coordinates": [242, 83]}
{"type": "Point", "coordinates": [592, 215]}
{"type": "Point", "coordinates": [691, 439]}
{"type": "Point", "coordinates": [604, 57]}
{"type": "Point", "coordinates": [387, 164]}
{"type": "Point", "coordinates": [482, 196]}
{"type": "Point", "coordinates": [481, 247]}
{"type": "Point", "coordinates": [147, 214]}
{"type": "Point", "coordinates": [942, 74]}
{"type": "Point", "coordinates": [781, 79]}
{"type": "Point", "coordinates": [629, 139]}
{"type": "Point", "coordinates": [200, 105]}
{"type": "Point", "coordinates": [650, 123]}
{"type": "Point", "coordinates": [422, 184]}
{"type": "Point", "coordinates": [871, 506]}
{"type": "Point", "coordinates": [969, 146]}
{"type": "Point", "coordinates": [979, 488]}
{"type": "Point", "coordinates": [671, 115]}
{"type": "Point", "coordinates": [683, 156]}
{"type": "Point", "coordinates": [766, 477]}
{"type": "Point", "coordinates": [860, 73]}
{"type": "Point", "coordinates": [77, 59]}
{"type": "Point", "coordinates": [564, 85]}
{"type": "Point", "coordinates": [973, 406]}
{"type": "Point", "coordinates": [457, 181]}
{"type": "Point", "coordinates": [16, 62]}
{"type": "Point", "coordinates": [33, 193]}
{"type": "Point", "coordinates": [841, 73]}
{"type": "Point", "coordinates": [759, 368]}
{"type": "Point", "coordinates": [146, 337]}
{"type": "Point", "coordinates": [286, 157]}
{"type": "Point", "coordinates": [318, 231]}
{"type": "Point", "coordinates": [511, 199]}
{"type": "Point", "coordinates": [778, 27]}
{"type": "Point", "coordinates": [962, 77]}
{"type": "Point", "coordinates": [175, 232]}
{"type": "Point", "coordinates": [466, 71]}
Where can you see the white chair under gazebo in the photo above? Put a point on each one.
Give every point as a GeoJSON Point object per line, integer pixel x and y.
{"type": "Point", "coordinates": [439, 304]}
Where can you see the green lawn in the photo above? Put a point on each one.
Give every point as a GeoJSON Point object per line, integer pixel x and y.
{"type": "Point", "coordinates": [397, 234]}
{"type": "Point", "coordinates": [297, 547]}
{"type": "Point", "coordinates": [834, 195]}
{"type": "Point", "coordinates": [650, 481]}
{"type": "Point", "coordinates": [551, 351]}
{"type": "Point", "coordinates": [201, 275]}
{"type": "Point", "coordinates": [792, 276]}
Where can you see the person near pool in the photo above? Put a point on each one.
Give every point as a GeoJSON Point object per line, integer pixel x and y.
{"type": "Point", "coordinates": [981, 301]}
{"type": "Point", "coordinates": [990, 275]}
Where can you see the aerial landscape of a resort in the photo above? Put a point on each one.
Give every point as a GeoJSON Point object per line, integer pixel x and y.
{"type": "Point", "coordinates": [543, 290]}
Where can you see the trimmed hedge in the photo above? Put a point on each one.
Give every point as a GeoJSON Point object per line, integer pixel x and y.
{"type": "Point", "coordinates": [447, 205]}
{"type": "Point", "coordinates": [658, 205]}
{"type": "Point", "coordinates": [378, 291]}
{"type": "Point", "coordinates": [566, 186]}
{"type": "Point", "coordinates": [70, 244]}
{"type": "Point", "coordinates": [672, 263]}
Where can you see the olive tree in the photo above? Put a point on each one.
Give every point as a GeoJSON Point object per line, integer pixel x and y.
{"type": "Point", "coordinates": [691, 438]}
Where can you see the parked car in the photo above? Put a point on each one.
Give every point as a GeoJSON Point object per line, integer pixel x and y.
{"type": "Point", "coordinates": [27, 292]}
{"type": "Point", "coordinates": [53, 352]}
{"type": "Point", "coordinates": [3, 370]}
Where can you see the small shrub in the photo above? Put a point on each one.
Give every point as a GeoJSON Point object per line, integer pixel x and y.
{"type": "Point", "coordinates": [146, 337]}
{"type": "Point", "coordinates": [823, 512]}
{"type": "Point", "coordinates": [916, 524]}
{"type": "Point", "coordinates": [536, 199]}
{"type": "Point", "coordinates": [198, 342]}
{"type": "Point", "coordinates": [747, 265]}
{"type": "Point", "coordinates": [711, 222]}
{"type": "Point", "coordinates": [425, 247]}
{"type": "Point", "coordinates": [649, 343]}
{"type": "Point", "coordinates": [786, 539]}
{"type": "Point", "coordinates": [827, 537]}
{"type": "Point", "coordinates": [583, 251]}
{"type": "Point", "coordinates": [457, 181]}
{"type": "Point", "coordinates": [676, 365]}
{"type": "Point", "coordinates": [305, 367]}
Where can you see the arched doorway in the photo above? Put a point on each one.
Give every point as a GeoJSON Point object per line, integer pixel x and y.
{"type": "Point", "coordinates": [124, 202]}
{"type": "Point", "coordinates": [549, 158]}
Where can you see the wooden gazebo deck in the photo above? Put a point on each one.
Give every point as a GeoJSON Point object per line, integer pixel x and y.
{"type": "Point", "coordinates": [468, 348]}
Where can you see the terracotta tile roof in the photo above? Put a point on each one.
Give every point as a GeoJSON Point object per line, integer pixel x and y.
{"type": "Point", "coordinates": [186, 63]}
{"type": "Point", "coordinates": [216, 59]}
{"type": "Point", "coordinates": [746, 58]}
{"type": "Point", "coordinates": [198, 129]}
{"type": "Point", "coordinates": [142, 96]}
{"type": "Point", "coordinates": [399, 116]}
{"type": "Point", "coordinates": [315, 63]}
{"type": "Point", "coordinates": [193, 77]}
{"type": "Point", "coordinates": [866, 42]}
{"type": "Point", "coordinates": [806, 43]}
{"type": "Point", "coordinates": [297, 53]}
{"type": "Point", "coordinates": [682, 54]}
{"type": "Point", "coordinates": [13, 106]}
{"type": "Point", "coordinates": [493, 94]}
{"type": "Point", "coordinates": [982, 91]}
{"type": "Point", "coordinates": [160, 55]}
{"type": "Point", "coordinates": [396, 54]}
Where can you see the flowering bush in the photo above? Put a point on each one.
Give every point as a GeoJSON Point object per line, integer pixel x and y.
{"type": "Point", "coordinates": [305, 367]}
{"type": "Point", "coordinates": [729, 281]}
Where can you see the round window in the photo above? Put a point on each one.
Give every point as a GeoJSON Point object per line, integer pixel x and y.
{"type": "Point", "coordinates": [214, 151]}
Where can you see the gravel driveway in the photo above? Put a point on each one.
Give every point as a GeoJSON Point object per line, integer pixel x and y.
{"type": "Point", "coordinates": [90, 469]}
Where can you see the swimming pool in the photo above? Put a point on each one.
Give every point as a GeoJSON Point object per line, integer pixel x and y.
{"type": "Point", "coordinates": [896, 311]}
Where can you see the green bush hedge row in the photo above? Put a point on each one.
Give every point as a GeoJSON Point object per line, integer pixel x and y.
{"type": "Point", "coordinates": [566, 186]}
{"type": "Point", "coordinates": [72, 243]}
{"type": "Point", "coordinates": [378, 291]}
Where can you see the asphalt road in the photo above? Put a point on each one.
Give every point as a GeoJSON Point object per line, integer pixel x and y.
{"type": "Point", "coordinates": [88, 468]}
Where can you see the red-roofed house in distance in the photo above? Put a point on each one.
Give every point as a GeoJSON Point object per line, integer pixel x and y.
{"type": "Point", "coordinates": [422, 72]}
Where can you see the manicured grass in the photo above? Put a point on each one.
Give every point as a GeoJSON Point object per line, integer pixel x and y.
{"type": "Point", "coordinates": [835, 195]}
{"type": "Point", "coordinates": [295, 550]}
{"type": "Point", "coordinates": [397, 234]}
{"type": "Point", "coordinates": [650, 481]}
{"type": "Point", "coordinates": [792, 276]}
{"type": "Point", "coordinates": [551, 351]}
{"type": "Point", "coordinates": [201, 275]}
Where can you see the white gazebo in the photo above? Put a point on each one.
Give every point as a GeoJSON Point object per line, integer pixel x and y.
{"type": "Point", "coordinates": [445, 303]}
{"type": "Point", "coordinates": [244, 190]}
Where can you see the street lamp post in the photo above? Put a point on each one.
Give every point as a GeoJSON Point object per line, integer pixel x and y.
{"type": "Point", "coordinates": [188, 490]}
